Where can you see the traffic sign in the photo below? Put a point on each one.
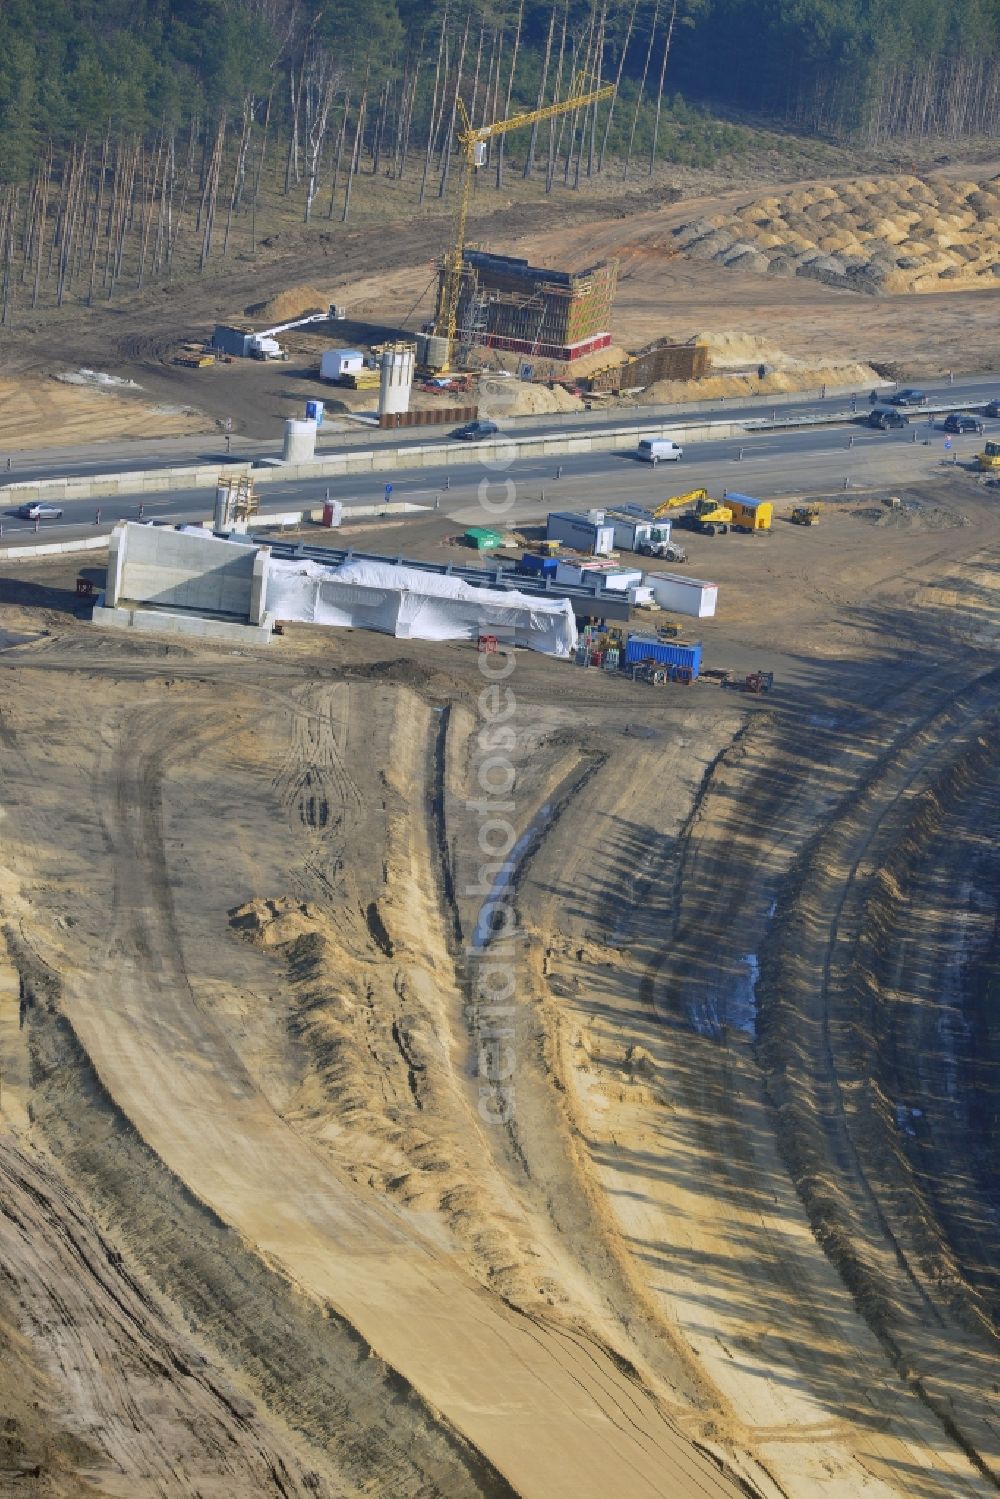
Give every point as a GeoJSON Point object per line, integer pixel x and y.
{"type": "Point", "coordinates": [228, 424]}
{"type": "Point", "coordinates": [947, 444]}
{"type": "Point", "coordinates": [388, 490]}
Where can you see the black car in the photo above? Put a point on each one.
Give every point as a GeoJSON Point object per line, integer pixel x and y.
{"type": "Point", "coordinates": [908, 398]}
{"type": "Point", "coordinates": [473, 431]}
{"type": "Point", "coordinates": [992, 408]}
{"type": "Point", "coordinates": [961, 421]}
{"type": "Point", "coordinates": [887, 417]}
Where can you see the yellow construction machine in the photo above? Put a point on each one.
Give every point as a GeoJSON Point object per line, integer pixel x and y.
{"type": "Point", "coordinates": [806, 515]}
{"type": "Point", "coordinates": [699, 512]}
{"type": "Point", "coordinates": [989, 458]}
{"type": "Point", "coordinates": [676, 500]}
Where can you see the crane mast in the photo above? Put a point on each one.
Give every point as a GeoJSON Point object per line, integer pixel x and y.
{"type": "Point", "coordinates": [472, 141]}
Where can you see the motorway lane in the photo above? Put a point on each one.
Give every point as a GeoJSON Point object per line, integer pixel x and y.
{"type": "Point", "coordinates": [773, 465]}
{"type": "Point", "coordinates": [124, 457]}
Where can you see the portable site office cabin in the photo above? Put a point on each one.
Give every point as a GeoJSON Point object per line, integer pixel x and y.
{"type": "Point", "coordinates": [684, 595]}
{"type": "Point", "coordinates": [749, 514]}
{"type": "Point", "coordinates": [587, 532]}
{"type": "Point", "coordinates": [336, 363]}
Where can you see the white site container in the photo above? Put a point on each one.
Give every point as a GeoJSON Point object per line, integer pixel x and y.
{"type": "Point", "coordinates": [684, 595]}
{"type": "Point", "coordinates": [579, 531]}
{"type": "Point", "coordinates": [617, 578]}
{"type": "Point", "coordinates": [336, 363]}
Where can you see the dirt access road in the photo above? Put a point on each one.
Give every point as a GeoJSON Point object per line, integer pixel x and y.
{"type": "Point", "coordinates": [734, 1232]}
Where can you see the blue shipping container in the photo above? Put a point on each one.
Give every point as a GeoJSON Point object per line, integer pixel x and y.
{"type": "Point", "coordinates": [663, 652]}
{"type": "Point", "coordinates": [544, 567]}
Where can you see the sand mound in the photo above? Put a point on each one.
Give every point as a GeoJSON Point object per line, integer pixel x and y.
{"type": "Point", "coordinates": [500, 398]}
{"type": "Point", "coordinates": [735, 360]}
{"type": "Point", "coordinates": [294, 302]}
{"type": "Point", "coordinates": [875, 234]}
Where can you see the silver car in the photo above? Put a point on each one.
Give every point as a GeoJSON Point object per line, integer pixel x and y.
{"type": "Point", "coordinates": [38, 511]}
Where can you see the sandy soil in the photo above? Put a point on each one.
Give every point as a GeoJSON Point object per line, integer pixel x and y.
{"type": "Point", "coordinates": [33, 412]}
{"type": "Point", "coordinates": [384, 275]}
{"type": "Point", "coordinates": [722, 1223]}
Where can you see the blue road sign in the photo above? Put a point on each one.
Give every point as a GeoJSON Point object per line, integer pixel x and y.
{"type": "Point", "coordinates": [388, 490]}
{"type": "Point", "coordinates": [947, 444]}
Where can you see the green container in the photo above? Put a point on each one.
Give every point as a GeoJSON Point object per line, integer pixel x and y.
{"type": "Point", "coordinates": [483, 539]}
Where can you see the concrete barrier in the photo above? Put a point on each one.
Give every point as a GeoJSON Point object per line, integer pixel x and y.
{"type": "Point", "coordinates": [52, 549]}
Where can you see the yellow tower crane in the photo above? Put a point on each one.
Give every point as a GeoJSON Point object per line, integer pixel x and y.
{"type": "Point", "coordinates": [472, 140]}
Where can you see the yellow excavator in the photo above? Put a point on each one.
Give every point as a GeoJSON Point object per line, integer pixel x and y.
{"type": "Point", "coordinates": [699, 512]}
{"type": "Point", "coordinates": [989, 458]}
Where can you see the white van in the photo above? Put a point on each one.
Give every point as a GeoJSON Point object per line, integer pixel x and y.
{"type": "Point", "coordinates": [658, 450]}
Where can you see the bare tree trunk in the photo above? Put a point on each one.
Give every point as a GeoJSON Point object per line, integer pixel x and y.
{"type": "Point", "coordinates": [341, 136]}
{"type": "Point", "coordinates": [556, 96]}
{"type": "Point", "coordinates": [259, 173]}
{"type": "Point", "coordinates": [147, 217]}
{"type": "Point", "coordinates": [564, 118]}
{"type": "Point", "coordinates": [161, 227]}
{"type": "Point", "coordinates": [72, 212]}
{"type": "Point", "coordinates": [581, 52]}
{"type": "Point", "coordinates": [7, 236]}
{"type": "Point", "coordinates": [383, 109]}
{"type": "Point", "coordinates": [353, 168]}
{"type": "Point", "coordinates": [494, 106]}
{"type": "Point", "coordinates": [241, 155]}
{"type": "Point", "coordinates": [432, 126]}
{"type": "Point", "coordinates": [128, 205]}
{"type": "Point", "coordinates": [475, 76]}
{"type": "Point", "coordinates": [116, 187]}
{"type": "Point", "coordinates": [40, 235]}
{"type": "Point", "coordinates": [529, 160]}
{"type": "Point", "coordinates": [618, 80]}
{"type": "Point", "coordinates": [597, 84]}
{"type": "Point", "coordinates": [213, 193]}
{"type": "Point", "coordinates": [589, 69]}
{"type": "Point", "coordinates": [30, 212]}
{"type": "Point", "coordinates": [295, 101]}
{"type": "Point", "coordinates": [642, 89]}
{"type": "Point", "coordinates": [450, 139]}
{"type": "Point", "coordinates": [659, 90]}
{"type": "Point", "coordinates": [407, 122]}
{"type": "Point", "coordinates": [510, 92]}
{"type": "Point", "coordinates": [319, 98]}
{"type": "Point", "coordinates": [64, 181]}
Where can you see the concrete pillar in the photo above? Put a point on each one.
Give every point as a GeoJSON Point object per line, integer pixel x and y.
{"type": "Point", "coordinates": [258, 585]}
{"type": "Point", "coordinates": [220, 521]}
{"type": "Point", "coordinates": [396, 379]}
{"type": "Point", "coordinates": [300, 440]}
{"type": "Point", "coordinates": [116, 565]}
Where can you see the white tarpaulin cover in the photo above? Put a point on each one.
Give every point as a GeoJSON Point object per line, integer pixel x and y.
{"type": "Point", "coordinates": [409, 603]}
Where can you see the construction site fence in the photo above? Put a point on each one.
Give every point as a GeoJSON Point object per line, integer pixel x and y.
{"type": "Point", "coordinates": [428, 417]}
{"type": "Point", "coordinates": [671, 362]}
